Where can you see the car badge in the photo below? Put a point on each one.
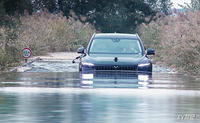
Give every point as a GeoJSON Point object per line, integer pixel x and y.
{"type": "Point", "coordinates": [115, 66]}
{"type": "Point", "coordinates": [116, 59]}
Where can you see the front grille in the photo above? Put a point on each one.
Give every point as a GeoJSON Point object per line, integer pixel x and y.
{"type": "Point", "coordinates": [116, 67]}
{"type": "Point", "coordinates": [115, 75]}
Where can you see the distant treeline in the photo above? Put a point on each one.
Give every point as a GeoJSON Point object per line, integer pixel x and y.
{"type": "Point", "coordinates": [105, 15]}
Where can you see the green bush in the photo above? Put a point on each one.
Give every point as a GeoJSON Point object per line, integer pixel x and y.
{"type": "Point", "coordinates": [9, 48]}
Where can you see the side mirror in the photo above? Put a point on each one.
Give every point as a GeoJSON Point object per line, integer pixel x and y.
{"type": "Point", "coordinates": [150, 51]}
{"type": "Point", "coordinates": [81, 50]}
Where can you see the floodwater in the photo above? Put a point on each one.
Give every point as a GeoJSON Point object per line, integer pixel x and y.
{"type": "Point", "coordinates": [55, 92]}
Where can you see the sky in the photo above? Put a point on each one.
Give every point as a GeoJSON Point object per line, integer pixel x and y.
{"type": "Point", "coordinates": [181, 2]}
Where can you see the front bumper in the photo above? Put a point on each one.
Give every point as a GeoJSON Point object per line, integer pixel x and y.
{"type": "Point", "coordinates": [133, 68]}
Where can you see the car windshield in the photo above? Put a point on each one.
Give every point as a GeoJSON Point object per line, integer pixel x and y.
{"type": "Point", "coordinates": [122, 46]}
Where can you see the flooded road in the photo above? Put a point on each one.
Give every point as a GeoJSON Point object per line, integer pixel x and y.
{"type": "Point", "coordinates": [54, 92]}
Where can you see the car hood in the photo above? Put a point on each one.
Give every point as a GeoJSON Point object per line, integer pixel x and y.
{"type": "Point", "coordinates": [122, 59]}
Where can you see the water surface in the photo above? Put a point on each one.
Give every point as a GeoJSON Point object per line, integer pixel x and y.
{"type": "Point", "coordinates": [54, 91]}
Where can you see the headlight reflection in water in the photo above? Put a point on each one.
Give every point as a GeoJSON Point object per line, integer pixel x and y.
{"type": "Point", "coordinates": [134, 81]}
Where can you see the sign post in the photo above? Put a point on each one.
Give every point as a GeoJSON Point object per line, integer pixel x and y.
{"type": "Point", "coordinates": [27, 53]}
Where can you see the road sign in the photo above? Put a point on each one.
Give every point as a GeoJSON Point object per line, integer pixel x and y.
{"type": "Point", "coordinates": [27, 52]}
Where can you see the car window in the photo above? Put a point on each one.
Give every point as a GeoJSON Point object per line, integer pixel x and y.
{"type": "Point", "coordinates": [115, 46]}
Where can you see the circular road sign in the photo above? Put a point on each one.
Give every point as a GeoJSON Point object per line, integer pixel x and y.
{"type": "Point", "coordinates": [27, 52]}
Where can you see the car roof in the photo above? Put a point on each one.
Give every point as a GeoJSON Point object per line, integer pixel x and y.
{"type": "Point", "coordinates": [116, 35]}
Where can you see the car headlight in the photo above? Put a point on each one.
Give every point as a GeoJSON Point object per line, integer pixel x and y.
{"type": "Point", "coordinates": [144, 65]}
{"type": "Point", "coordinates": [87, 64]}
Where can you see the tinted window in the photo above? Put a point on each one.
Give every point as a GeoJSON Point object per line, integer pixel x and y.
{"type": "Point", "coordinates": [115, 46]}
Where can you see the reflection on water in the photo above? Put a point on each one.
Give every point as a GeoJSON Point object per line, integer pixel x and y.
{"type": "Point", "coordinates": [66, 96]}
{"type": "Point", "coordinates": [115, 79]}
{"type": "Point", "coordinates": [45, 79]}
{"type": "Point", "coordinates": [102, 80]}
